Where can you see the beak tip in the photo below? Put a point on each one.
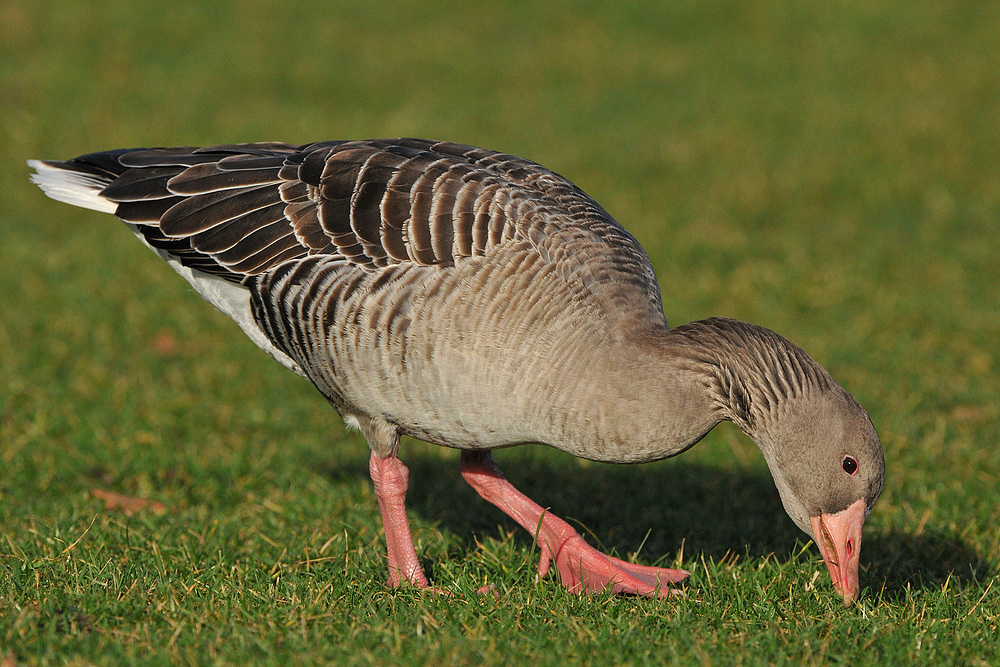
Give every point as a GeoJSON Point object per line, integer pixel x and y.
{"type": "Point", "coordinates": [839, 542]}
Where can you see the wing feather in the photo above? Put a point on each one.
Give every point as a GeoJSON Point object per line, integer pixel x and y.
{"type": "Point", "coordinates": [140, 184]}
{"type": "Point", "coordinates": [147, 211]}
{"type": "Point", "coordinates": [215, 176]}
{"type": "Point", "coordinates": [204, 211]}
{"type": "Point", "coordinates": [240, 230]}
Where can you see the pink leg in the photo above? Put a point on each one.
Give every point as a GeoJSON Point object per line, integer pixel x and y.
{"type": "Point", "coordinates": [581, 567]}
{"type": "Point", "coordinates": [390, 478]}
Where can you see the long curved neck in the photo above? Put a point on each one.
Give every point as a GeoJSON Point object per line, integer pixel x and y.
{"type": "Point", "coordinates": [752, 373]}
{"type": "Point", "coordinates": [667, 389]}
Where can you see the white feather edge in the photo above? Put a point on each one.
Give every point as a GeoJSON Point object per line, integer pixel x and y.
{"type": "Point", "coordinates": [231, 299]}
{"type": "Point", "coordinates": [71, 187]}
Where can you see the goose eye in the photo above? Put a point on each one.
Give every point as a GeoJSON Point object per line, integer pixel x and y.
{"type": "Point", "coordinates": [850, 465]}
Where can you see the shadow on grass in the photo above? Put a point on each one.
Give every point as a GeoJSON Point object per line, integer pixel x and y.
{"type": "Point", "coordinates": [657, 507]}
{"type": "Point", "coordinates": [898, 561]}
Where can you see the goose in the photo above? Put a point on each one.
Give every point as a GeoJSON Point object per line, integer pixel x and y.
{"type": "Point", "coordinates": [477, 300]}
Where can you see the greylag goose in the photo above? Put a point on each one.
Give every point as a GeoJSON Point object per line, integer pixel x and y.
{"type": "Point", "coordinates": [477, 300]}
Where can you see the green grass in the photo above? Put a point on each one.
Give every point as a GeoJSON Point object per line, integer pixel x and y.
{"type": "Point", "coordinates": [831, 171]}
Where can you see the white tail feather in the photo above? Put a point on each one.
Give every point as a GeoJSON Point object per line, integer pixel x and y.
{"type": "Point", "coordinates": [72, 187]}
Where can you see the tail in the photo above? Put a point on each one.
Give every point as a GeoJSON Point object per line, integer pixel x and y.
{"type": "Point", "coordinates": [81, 180]}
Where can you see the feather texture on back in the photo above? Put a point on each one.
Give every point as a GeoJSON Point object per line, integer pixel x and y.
{"type": "Point", "coordinates": [249, 207]}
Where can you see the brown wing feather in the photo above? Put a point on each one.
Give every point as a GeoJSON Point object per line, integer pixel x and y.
{"type": "Point", "coordinates": [240, 210]}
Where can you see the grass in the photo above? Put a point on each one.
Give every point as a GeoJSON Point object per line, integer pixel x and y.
{"type": "Point", "coordinates": [828, 171]}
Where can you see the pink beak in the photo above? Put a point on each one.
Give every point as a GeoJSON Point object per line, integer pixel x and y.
{"type": "Point", "coordinates": [838, 537]}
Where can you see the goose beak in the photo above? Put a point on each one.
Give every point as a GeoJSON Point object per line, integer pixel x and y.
{"type": "Point", "coordinates": [838, 537]}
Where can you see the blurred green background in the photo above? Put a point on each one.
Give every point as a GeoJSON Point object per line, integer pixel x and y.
{"type": "Point", "coordinates": [829, 170]}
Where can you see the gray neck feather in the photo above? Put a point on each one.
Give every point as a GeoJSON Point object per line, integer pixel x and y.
{"type": "Point", "coordinates": [751, 373]}
{"type": "Point", "coordinates": [661, 396]}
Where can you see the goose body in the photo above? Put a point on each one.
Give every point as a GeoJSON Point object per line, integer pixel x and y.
{"type": "Point", "coordinates": [477, 300]}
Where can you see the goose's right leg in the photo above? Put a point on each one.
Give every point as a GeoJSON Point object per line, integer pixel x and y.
{"type": "Point", "coordinates": [391, 478]}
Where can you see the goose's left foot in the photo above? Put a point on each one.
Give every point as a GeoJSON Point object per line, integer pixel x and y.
{"type": "Point", "coordinates": [581, 567]}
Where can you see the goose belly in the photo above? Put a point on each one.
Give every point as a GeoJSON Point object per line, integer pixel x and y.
{"type": "Point", "coordinates": [470, 357]}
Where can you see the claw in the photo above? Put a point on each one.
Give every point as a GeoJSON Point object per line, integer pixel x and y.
{"type": "Point", "coordinates": [583, 568]}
